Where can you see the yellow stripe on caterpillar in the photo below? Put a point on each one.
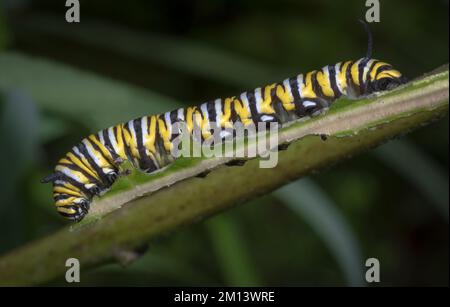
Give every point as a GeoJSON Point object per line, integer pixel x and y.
{"type": "Point", "coordinates": [74, 159]}
{"type": "Point", "coordinates": [63, 190]}
{"type": "Point", "coordinates": [189, 118]}
{"type": "Point", "coordinates": [99, 158]}
{"type": "Point", "coordinates": [130, 141]}
{"type": "Point", "coordinates": [104, 150]}
{"type": "Point", "coordinates": [120, 143]}
{"type": "Point", "coordinates": [80, 177]}
{"type": "Point", "coordinates": [66, 210]}
{"type": "Point", "coordinates": [164, 132]}
{"type": "Point", "coordinates": [66, 201]}
{"type": "Point", "coordinates": [375, 68]}
{"type": "Point", "coordinates": [324, 82]}
{"type": "Point", "coordinates": [286, 98]}
{"type": "Point", "coordinates": [355, 72]}
{"type": "Point", "coordinates": [391, 73]}
{"type": "Point", "coordinates": [225, 119]}
{"type": "Point", "coordinates": [343, 76]}
{"type": "Point", "coordinates": [307, 90]}
{"type": "Point", "coordinates": [243, 112]}
{"type": "Point", "coordinates": [266, 104]}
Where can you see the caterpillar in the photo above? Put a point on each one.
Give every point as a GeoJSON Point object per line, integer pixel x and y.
{"type": "Point", "coordinates": [92, 166]}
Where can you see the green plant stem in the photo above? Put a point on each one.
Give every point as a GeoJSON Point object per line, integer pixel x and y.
{"type": "Point", "coordinates": [350, 130]}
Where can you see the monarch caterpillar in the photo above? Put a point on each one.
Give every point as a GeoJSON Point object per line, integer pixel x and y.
{"type": "Point", "coordinates": [92, 166]}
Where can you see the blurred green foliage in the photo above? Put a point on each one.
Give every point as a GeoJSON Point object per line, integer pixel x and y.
{"type": "Point", "coordinates": [59, 82]}
{"type": "Point", "coordinates": [4, 34]}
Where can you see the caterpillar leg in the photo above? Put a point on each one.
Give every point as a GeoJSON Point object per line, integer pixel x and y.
{"type": "Point", "coordinates": [236, 162]}
{"type": "Point", "coordinates": [125, 172]}
{"type": "Point", "coordinates": [93, 189]}
{"type": "Point", "coordinates": [118, 161]}
{"type": "Point", "coordinates": [112, 177]}
{"type": "Point", "coordinates": [283, 146]}
{"type": "Point", "coordinates": [203, 174]}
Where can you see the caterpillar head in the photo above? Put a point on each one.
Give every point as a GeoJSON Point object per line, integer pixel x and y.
{"type": "Point", "coordinates": [385, 78]}
{"type": "Point", "coordinates": [75, 209]}
{"type": "Point", "coordinates": [71, 201]}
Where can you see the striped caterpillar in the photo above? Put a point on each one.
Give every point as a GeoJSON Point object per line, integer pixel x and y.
{"type": "Point", "coordinates": [92, 166]}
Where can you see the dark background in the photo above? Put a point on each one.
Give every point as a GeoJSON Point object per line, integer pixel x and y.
{"type": "Point", "coordinates": [60, 81]}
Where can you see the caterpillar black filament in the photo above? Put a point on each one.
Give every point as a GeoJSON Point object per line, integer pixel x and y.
{"type": "Point", "coordinates": [92, 166]}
